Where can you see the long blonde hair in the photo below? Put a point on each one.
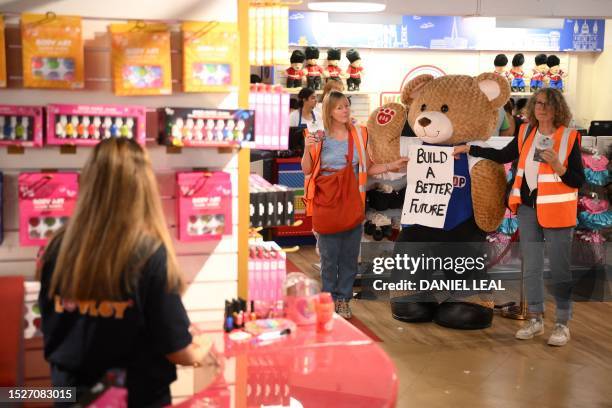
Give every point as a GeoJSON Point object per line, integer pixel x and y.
{"type": "Point", "coordinates": [330, 102]}
{"type": "Point", "coordinates": [117, 225]}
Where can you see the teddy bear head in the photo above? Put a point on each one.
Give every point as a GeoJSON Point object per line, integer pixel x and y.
{"type": "Point", "coordinates": [455, 109]}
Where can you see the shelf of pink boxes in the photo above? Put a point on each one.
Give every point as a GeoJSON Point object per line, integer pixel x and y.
{"type": "Point", "coordinates": [265, 125]}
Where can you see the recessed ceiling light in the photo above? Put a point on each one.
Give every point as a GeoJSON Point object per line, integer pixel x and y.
{"type": "Point", "coordinates": [347, 6]}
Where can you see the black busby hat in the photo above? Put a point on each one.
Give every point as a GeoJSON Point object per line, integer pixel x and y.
{"type": "Point", "coordinates": [333, 54]}
{"type": "Point", "coordinates": [500, 60]}
{"type": "Point", "coordinates": [540, 59]}
{"type": "Point", "coordinates": [552, 61]}
{"type": "Point", "coordinates": [518, 60]}
{"type": "Point", "coordinates": [297, 56]}
{"type": "Point", "coordinates": [311, 53]}
{"type": "Point", "coordinates": [352, 55]}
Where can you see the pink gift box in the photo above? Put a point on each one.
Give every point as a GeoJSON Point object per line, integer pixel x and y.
{"type": "Point", "coordinates": [204, 205]}
{"type": "Point", "coordinates": [86, 125]}
{"type": "Point", "coordinates": [21, 125]}
{"type": "Point", "coordinates": [46, 200]}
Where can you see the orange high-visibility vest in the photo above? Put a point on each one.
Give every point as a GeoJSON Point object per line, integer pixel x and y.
{"type": "Point", "coordinates": [556, 203]}
{"type": "Point", "coordinates": [360, 140]}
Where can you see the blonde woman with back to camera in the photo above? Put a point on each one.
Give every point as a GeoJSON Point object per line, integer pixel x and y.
{"type": "Point", "coordinates": [330, 174]}
{"type": "Point", "coordinates": [111, 288]}
{"type": "Point", "coordinates": [545, 197]}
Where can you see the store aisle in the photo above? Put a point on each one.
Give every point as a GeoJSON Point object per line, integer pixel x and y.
{"type": "Point", "coordinates": [439, 367]}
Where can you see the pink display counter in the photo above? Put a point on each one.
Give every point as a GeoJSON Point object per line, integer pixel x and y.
{"type": "Point", "coordinates": [344, 368]}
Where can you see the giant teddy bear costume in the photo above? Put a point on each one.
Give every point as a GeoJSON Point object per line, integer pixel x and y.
{"type": "Point", "coordinates": [453, 110]}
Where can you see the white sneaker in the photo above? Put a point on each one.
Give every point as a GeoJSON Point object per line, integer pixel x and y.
{"type": "Point", "coordinates": [534, 327]}
{"type": "Point", "coordinates": [560, 335]}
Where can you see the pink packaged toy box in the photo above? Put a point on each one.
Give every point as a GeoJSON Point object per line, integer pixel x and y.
{"type": "Point", "coordinates": [21, 125]}
{"type": "Point", "coordinates": [195, 127]}
{"type": "Point", "coordinates": [46, 200]}
{"type": "Point", "coordinates": [86, 125]}
{"type": "Point", "coordinates": [204, 205]}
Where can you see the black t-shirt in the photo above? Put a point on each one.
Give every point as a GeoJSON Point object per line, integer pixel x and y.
{"type": "Point", "coordinates": [84, 339]}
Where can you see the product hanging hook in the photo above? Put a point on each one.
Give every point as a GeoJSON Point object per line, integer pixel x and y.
{"type": "Point", "coordinates": [204, 30]}
{"type": "Point", "coordinates": [198, 184]}
{"type": "Point", "coordinates": [49, 16]}
{"type": "Point", "coordinates": [139, 25]}
{"type": "Point", "coordinates": [29, 190]}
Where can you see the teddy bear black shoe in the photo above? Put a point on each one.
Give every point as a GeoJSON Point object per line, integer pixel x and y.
{"type": "Point", "coordinates": [464, 315]}
{"type": "Point", "coordinates": [416, 308]}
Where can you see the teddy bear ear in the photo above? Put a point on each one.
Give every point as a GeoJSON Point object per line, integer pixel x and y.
{"type": "Point", "coordinates": [495, 87]}
{"type": "Point", "coordinates": [413, 88]}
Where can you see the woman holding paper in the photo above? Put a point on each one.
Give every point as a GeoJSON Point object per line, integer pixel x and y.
{"type": "Point", "coordinates": [110, 293]}
{"type": "Point", "coordinates": [545, 197]}
{"type": "Point", "coordinates": [336, 165]}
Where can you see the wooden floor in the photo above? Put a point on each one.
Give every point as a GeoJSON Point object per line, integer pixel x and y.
{"type": "Point", "coordinates": [440, 367]}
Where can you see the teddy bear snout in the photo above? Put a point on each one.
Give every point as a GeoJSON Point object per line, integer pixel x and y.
{"type": "Point", "coordinates": [424, 122]}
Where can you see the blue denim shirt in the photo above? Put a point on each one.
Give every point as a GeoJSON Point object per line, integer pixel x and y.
{"type": "Point", "coordinates": [333, 155]}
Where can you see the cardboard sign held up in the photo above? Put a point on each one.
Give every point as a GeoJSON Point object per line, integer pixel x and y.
{"type": "Point", "coordinates": [430, 185]}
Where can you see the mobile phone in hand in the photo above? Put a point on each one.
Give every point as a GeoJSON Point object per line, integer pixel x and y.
{"type": "Point", "coordinates": [542, 143]}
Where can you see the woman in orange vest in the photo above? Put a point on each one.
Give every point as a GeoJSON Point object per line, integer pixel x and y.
{"type": "Point", "coordinates": [326, 153]}
{"type": "Point", "coordinates": [545, 197]}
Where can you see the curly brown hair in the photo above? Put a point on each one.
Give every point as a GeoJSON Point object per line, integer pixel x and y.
{"type": "Point", "coordinates": [556, 101]}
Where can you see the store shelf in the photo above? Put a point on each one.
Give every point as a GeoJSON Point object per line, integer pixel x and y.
{"type": "Point", "coordinates": [565, 93]}
{"type": "Point", "coordinates": [295, 91]}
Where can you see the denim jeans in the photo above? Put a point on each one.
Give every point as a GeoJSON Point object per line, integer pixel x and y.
{"type": "Point", "coordinates": [559, 246]}
{"type": "Point", "coordinates": [339, 261]}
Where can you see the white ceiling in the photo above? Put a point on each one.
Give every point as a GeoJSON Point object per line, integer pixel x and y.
{"type": "Point", "coordinates": [497, 8]}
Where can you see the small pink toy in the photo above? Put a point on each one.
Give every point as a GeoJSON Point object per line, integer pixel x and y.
{"type": "Point", "coordinates": [204, 205]}
{"type": "Point", "coordinates": [46, 200]}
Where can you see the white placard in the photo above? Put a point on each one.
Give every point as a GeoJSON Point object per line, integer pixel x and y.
{"type": "Point", "coordinates": [430, 185]}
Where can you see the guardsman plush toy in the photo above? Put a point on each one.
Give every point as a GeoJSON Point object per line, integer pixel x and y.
{"type": "Point", "coordinates": [539, 71]}
{"type": "Point", "coordinates": [295, 73]}
{"type": "Point", "coordinates": [555, 74]}
{"type": "Point", "coordinates": [354, 70]}
{"type": "Point", "coordinates": [333, 71]}
{"type": "Point", "coordinates": [314, 71]}
{"type": "Point", "coordinates": [500, 63]}
{"type": "Point", "coordinates": [517, 73]}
